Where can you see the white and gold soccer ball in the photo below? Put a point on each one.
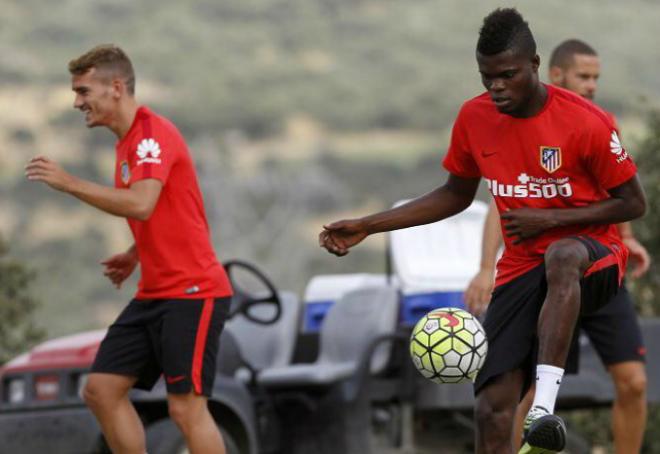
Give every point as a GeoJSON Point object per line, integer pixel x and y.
{"type": "Point", "coordinates": [448, 345]}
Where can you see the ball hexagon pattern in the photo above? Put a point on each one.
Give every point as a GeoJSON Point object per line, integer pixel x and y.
{"type": "Point", "coordinates": [448, 345]}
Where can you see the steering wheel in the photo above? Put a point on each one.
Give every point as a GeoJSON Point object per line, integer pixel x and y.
{"type": "Point", "coordinates": [243, 301]}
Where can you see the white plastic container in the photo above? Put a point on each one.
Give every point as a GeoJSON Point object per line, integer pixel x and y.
{"type": "Point", "coordinates": [434, 263]}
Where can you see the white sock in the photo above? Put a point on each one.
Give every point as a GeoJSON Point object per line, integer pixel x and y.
{"type": "Point", "coordinates": [548, 379]}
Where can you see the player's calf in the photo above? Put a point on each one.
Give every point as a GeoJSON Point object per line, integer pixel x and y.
{"type": "Point", "coordinates": [495, 411]}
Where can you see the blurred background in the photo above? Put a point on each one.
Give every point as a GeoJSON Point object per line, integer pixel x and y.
{"type": "Point", "coordinates": [297, 112]}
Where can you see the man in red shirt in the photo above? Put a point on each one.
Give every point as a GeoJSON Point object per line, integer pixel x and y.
{"type": "Point", "coordinates": [613, 330]}
{"type": "Point", "coordinates": [173, 324]}
{"type": "Point", "coordinates": [560, 178]}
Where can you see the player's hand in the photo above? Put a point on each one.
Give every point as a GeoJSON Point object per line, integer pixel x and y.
{"type": "Point", "coordinates": [120, 266]}
{"type": "Point", "coordinates": [41, 168]}
{"type": "Point", "coordinates": [525, 223]}
{"type": "Point", "coordinates": [340, 236]}
{"type": "Point", "coordinates": [638, 255]}
{"type": "Point", "coordinates": [477, 295]}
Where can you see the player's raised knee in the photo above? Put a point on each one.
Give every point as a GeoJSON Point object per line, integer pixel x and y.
{"type": "Point", "coordinates": [565, 256]}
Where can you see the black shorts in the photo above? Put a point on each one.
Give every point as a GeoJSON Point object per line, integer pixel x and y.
{"type": "Point", "coordinates": [174, 337]}
{"type": "Point", "coordinates": [512, 316]}
{"type": "Point", "coordinates": [614, 332]}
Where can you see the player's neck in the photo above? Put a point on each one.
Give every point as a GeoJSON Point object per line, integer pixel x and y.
{"type": "Point", "coordinates": [124, 119]}
{"type": "Point", "coordinates": [536, 103]}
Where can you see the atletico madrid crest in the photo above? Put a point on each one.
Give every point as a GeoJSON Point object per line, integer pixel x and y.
{"type": "Point", "coordinates": [125, 172]}
{"type": "Point", "coordinates": [550, 158]}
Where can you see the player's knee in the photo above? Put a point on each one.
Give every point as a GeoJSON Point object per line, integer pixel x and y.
{"type": "Point", "coordinates": [179, 412]}
{"type": "Point", "coordinates": [93, 394]}
{"type": "Point", "coordinates": [184, 413]}
{"type": "Point", "coordinates": [564, 261]}
{"type": "Point", "coordinates": [100, 392]}
{"type": "Point", "coordinates": [632, 387]}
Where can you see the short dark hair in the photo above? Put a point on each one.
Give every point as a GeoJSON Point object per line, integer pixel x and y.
{"type": "Point", "coordinates": [505, 29]}
{"type": "Point", "coordinates": [563, 54]}
{"type": "Point", "coordinates": [108, 58]}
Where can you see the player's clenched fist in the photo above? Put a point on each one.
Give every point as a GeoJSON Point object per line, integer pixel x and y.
{"type": "Point", "coordinates": [338, 237]}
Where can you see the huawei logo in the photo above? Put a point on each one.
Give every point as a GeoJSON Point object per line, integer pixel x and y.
{"type": "Point", "coordinates": [615, 144]}
{"type": "Point", "coordinates": [617, 149]}
{"type": "Point", "coordinates": [148, 147]}
{"type": "Point", "coordinates": [148, 151]}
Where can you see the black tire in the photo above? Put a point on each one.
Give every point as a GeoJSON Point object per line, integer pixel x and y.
{"type": "Point", "coordinates": [164, 437]}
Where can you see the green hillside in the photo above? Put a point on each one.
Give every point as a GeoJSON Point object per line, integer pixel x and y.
{"type": "Point", "coordinates": [297, 111]}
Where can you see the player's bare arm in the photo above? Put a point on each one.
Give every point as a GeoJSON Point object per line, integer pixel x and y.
{"type": "Point", "coordinates": [627, 202]}
{"type": "Point", "coordinates": [638, 254]}
{"type": "Point", "coordinates": [477, 295]}
{"type": "Point", "coordinates": [137, 202]}
{"type": "Point", "coordinates": [447, 200]}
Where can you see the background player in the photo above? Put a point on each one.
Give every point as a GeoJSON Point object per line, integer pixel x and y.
{"type": "Point", "coordinates": [562, 254]}
{"type": "Point", "coordinates": [614, 330]}
{"type": "Point", "coordinates": [174, 323]}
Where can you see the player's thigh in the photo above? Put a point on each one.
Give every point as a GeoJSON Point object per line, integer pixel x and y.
{"type": "Point", "coordinates": [601, 280]}
{"type": "Point", "coordinates": [614, 331]}
{"type": "Point", "coordinates": [127, 347]}
{"type": "Point", "coordinates": [190, 340]}
{"type": "Point", "coordinates": [107, 386]}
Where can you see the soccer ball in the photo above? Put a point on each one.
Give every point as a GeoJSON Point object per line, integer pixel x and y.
{"type": "Point", "coordinates": [448, 345]}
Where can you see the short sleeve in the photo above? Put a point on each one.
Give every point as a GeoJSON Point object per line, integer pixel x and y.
{"type": "Point", "coordinates": [459, 159]}
{"type": "Point", "coordinates": [605, 156]}
{"type": "Point", "coordinates": [153, 157]}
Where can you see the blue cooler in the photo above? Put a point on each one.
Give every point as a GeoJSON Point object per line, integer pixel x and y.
{"type": "Point", "coordinates": [415, 306]}
{"type": "Point", "coordinates": [314, 314]}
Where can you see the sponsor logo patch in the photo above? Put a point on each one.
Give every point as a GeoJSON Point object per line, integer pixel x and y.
{"type": "Point", "coordinates": [616, 148]}
{"type": "Point", "coordinates": [148, 151]}
{"type": "Point", "coordinates": [532, 187]}
{"type": "Point", "coordinates": [550, 158]}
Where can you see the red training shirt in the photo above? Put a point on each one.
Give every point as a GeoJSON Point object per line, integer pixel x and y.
{"type": "Point", "coordinates": [566, 156]}
{"type": "Point", "coordinates": [174, 244]}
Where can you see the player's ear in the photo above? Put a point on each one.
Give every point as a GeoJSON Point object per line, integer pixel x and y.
{"type": "Point", "coordinates": [118, 88]}
{"type": "Point", "coordinates": [536, 62]}
{"type": "Point", "coordinates": [556, 75]}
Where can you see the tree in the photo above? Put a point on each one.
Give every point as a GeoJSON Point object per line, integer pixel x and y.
{"type": "Point", "coordinates": [647, 289]}
{"type": "Point", "coordinates": [18, 330]}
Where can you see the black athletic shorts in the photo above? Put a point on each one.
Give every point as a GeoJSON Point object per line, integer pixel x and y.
{"type": "Point", "coordinates": [614, 333]}
{"type": "Point", "coordinates": [512, 316]}
{"type": "Point", "coordinates": [178, 338]}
